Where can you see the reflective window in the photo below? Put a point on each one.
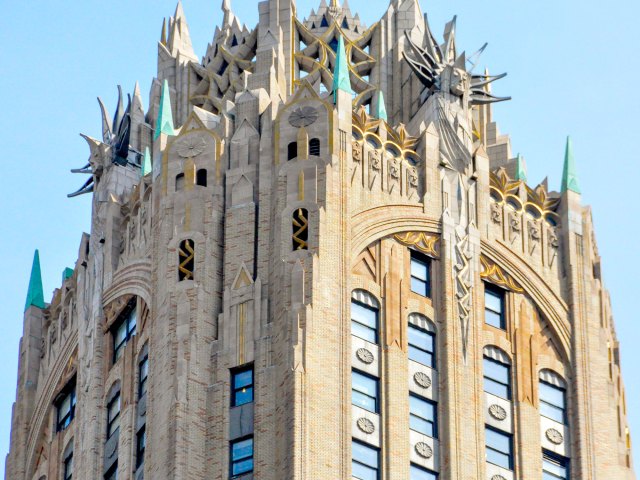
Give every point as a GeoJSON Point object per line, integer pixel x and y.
{"type": "Point", "coordinates": [314, 147]}
{"type": "Point", "coordinates": [66, 406]}
{"type": "Point", "coordinates": [497, 378]}
{"type": "Point", "coordinates": [112, 474]}
{"type": "Point", "coordinates": [123, 331]}
{"type": "Point", "coordinates": [421, 346]}
{"type": "Point", "coordinates": [420, 275]}
{"type": "Point", "coordinates": [113, 415]}
{"type": "Point", "coordinates": [143, 374]}
{"type": "Point", "coordinates": [553, 402]}
{"type": "Point", "coordinates": [364, 322]}
{"type": "Point", "coordinates": [364, 391]}
{"type": "Point", "coordinates": [418, 473]}
{"type": "Point", "coordinates": [68, 467]}
{"type": "Point", "coordinates": [241, 457]}
{"type": "Point", "coordinates": [554, 467]}
{"type": "Point", "coordinates": [499, 448]}
{"type": "Point", "coordinates": [422, 416]}
{"type": "Point", "coordinates": [141, 446]}
{"type": "Point", "coordinates": [242, 386]}
{"type": "Point", "coordinates": [365, 463]}
{"type": "Point", "coordinates": [494, 307]}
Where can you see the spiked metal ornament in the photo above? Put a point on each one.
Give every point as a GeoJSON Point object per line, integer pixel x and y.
{"type": "Point", "coordinates": [439, 68]}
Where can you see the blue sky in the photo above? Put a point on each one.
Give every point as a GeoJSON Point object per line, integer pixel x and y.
{"type": "Point", "coordinates": [572, 66]}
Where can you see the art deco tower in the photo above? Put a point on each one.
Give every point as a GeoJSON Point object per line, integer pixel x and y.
{"type": "Point", "coordinates": [313, 257]}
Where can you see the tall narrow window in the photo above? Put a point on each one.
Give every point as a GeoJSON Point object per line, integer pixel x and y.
{"type": "Point", "coordinates": [68, 467]}
{"type": "Point", "coordinates": [553, 402]}
{"type": "Point", "coordinates": [242, 386]}
{"type": "Point", "coordinates": [292, 150]}
{"type": "Point", "coordinates": [365, 461]}
{"type": "Point", "coordinates": [300, 225]}
{"type": "Point", "coordinates": [554, 467]}
{"type": "Point", "coordinates": [143, 374]}
{"type": "Point", "coordinates": [112, 474]}
{"type": "Point", "coordinates": [364, 321]}
{"type": "Point", "coordinates": [113, 415]}
{"type": "Point", "coordinates": [497, 378]}
{"type": "Point", "coordinates": [420, 275]}
{"type": "Point", "coordinates": [66, 406]}
{"type": "Point", "coordinates": [494, 307]}
{"type": "Point", "coordinates": [365, 391]}
{"type": "Point", "coordinates": [422, 416]}
{"type": "Point", "coordinates": [123, 330]}
{"type": "Point", "coordinates": [499, 448]}
{"type": "Point", "coordinates": [179, 182]}
{"type": "Point", "coordinates": [419, 473]}
{"type": "Point", "coordinates": [241, 457]}
{"type": "Point", "coordinates": [421, 346]}
{"type": "Point", "coordinates": [186, 264]}
{"type": "Point", "coordinates": [141, 446]}
{"type": "Point", "coordinates": [201, 177]}
{"type": "Point", "coordinates": [314, 147]}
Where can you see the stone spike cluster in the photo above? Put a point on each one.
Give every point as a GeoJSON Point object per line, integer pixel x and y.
{"type": "Point", "coordinates": [313, 235]}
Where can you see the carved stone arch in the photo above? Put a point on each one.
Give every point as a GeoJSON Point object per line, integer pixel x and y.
{"type": "Point", "coordinates": [497, 354]}
{"type": "Point", "coordinates": [132, 279]}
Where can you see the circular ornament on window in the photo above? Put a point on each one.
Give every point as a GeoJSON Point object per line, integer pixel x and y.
{"type": "Point", "coordinates": [424, 450]}
{"type": "Point", "coordinates": [366, 425]}
{"type": "Point", "coordinates": [554, 436]}
{"type": "Point", "coordinates": [422, 380]}
{"type": "Point", "coordinates": [303, 117]}
{"type": "Point", "coordinates": [498, 477]}
{"type": "Point", "coordinates": [365, 356]}
{"type": "Point", "coordinates": [191, 146]}
{"type": "Point", "coordinates": [497, 412]}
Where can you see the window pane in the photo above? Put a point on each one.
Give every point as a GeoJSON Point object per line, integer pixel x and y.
{"type": "Point", "coordinates": [362, 472]}
{"type": "Point", "coordinates": [554, 470]}
{"type": "Point", "coordinates": [420, 338]}
{"type": "Point", "coordinates": [365, 385]}
{"type": "Point", "coordinates": [552, 395]}
{"type": "Point", "coordinates": [493, 319]}
{"type": "Point", "coordinates": [421, 474]}
{"type": "Point", "coordinates": [498, 458]}
{"type": "Point", "coordinates": [493, 301]}
{"type": "Point", "coordinates": [243, 379]}
{"type": "Point", "coordinates": [422, 416]}
{"type": "Point", "coordinates": [552, 412]}
{"type": "Point", "coordinates": [496, 389]}
{"type": "Point", "coordinates": [365, 462]}
{"type": "Point", "coordinates": [419, 270]}
{"type": "Point", "coordinates": [498, 441]}
{"type": "Point", "coordinates": [419, 286]}
{"type": "Point", "coordinates": [244, 396]}
{"type": "Point", "coordinates": [121, 334]}
{"type": "Point", "coordinates": [496, 371]}
{"type": "Point", "coordinates": [363, 332]}
{"type": "Point", "coordinates": [243, 466]}
{"type": "Point", "coordinates": [364, 315]}
{"type": "Point", "coordinates": [144, 368]}
{"type": "Point", "coordinates": [420, 356]}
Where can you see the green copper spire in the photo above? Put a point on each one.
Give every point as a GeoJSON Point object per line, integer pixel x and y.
{"type": "Point", "coordinates": [67, 273]}
{"type": "Point", "coordinates": [341, 80]}
{"type": "Point", "coordinates": [35, 295]}
{"type": "Point", "coordinates": [165, 115]}
{"type": "Point", "coordinates": [146, 162]}
{"type": "Point", "coordinates": [382, 109]}
{"type": "Point", "coordinates": [521, 169]}
{"type": "Point", "coordinates": [569, 176]}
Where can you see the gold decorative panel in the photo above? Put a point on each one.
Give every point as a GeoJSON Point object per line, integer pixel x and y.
{"type": "Point", "coordinates": [426, 243]}
{"type": "Point", "coordinates": [494, 274]}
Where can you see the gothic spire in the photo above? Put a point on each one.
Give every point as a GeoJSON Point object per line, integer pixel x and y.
{"type": "Point", "coordinates": [35, 294]}
{"type": "Point", "coordinates": [569, 175]}
{"type": "Point", "coordinates": [381, 113]}
{"type": "Point", "coordinates": [165, 115]}
{"type": "Point", "coordinates": [341, 80]}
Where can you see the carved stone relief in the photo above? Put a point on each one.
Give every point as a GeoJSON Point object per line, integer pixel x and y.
{"type": "Point", "coordinates": [422, 380]}
{"type": "Point", "coordinates": [365, 356]}
{"type": "Point", "coordinates": [497, 412]}
{"type": "Point", "coordinates": [423, 450]}
{"type": "Point", "coordinates": [366, 425]}
{"type": "Point", "coordinates": [554, 436]}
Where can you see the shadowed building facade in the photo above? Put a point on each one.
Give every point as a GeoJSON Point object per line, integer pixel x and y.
{"type": "Point", "coordinates": [314, 256]}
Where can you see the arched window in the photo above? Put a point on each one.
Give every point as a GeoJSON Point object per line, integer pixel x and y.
{"type": "Point", "coordinates": [422, 340]}
{"type": "Point", "coordinates": [186, 260]}
{"type": "Point", "coordinates": [300, 225]}
{"type": "Point", "coordinates": [553, 396]}
{"type": "Point", "coordinates": [497, 373]}
{"type": "Point", "coordinates": [292, 150]}
{"type": "Point", "coordinates": [201, 177]}
{"type": "Point", "coordinates": [365, 313]}
{"type": "Point", "coordinates": [179, 182]}
{"type": "Point", "coordinates": [314, 147]}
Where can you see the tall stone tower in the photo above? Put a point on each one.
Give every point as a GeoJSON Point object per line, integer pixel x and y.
{"type": "Point", "coordinates": [313, 256]}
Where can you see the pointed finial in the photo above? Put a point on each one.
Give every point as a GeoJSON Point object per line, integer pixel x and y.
{"type": "Point", "coordinates": [165, 115]}
{"type": "Point", "coordinates": [334, 3]}
{"type": "Point", "coordinates": [35, 294]}
{"type": "Point", "coordinates": [146, 162]}
{"type": "Point", "coordinates": [569, 175]}
{"type": "Point", "coordinates": [163, 35]}
{"type": "Point", "coordinates": [382, 109]}
{"type": "Point", "coordinates": [521, 169]}
{"type": "Point", "coordinates": [341, 80]}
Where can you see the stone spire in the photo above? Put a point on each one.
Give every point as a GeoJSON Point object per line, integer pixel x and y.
{"type": "Point", "coordinates": [165, 115]}
{"type": "Point", "coordinates": [341, 80]}
{"type": "Point", "coordinates": [228, 14]}
{"type": "Point", "coordinates": [521, 169]}
{"type": "Point", "coordinates": [146, 162]}
{"type": "Point", "coordinates": [570, 176]}
{"type": "Point", "coordinates": [381, 112]}
{"type": "Point", "coordinates": [35, 295]}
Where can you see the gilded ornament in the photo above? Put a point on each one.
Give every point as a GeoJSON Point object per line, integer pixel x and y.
{"type": "Point", "coordinates": [366, 425]}
{"type": "Point", "coordinates": [497, 412]}
{"type": "Point", "coordinates": [423, 450]}
{"type": "Point", "coordinates": [424, 242]}
{"type": "Point", "coordinates": [365, 356]}
{"type": "Point", "coordinates": [422, 380]}
{"type": "Point", "coordinates": [494, 274]}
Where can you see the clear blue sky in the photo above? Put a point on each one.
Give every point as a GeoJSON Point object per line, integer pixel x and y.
{"type": "Point", "coordinates": [573, 69]}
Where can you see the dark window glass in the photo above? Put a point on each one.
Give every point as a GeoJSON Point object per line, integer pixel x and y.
{"type": "Point", "coordinates": [179, 182]}
{"type": "Point", "coordinates": [143, 374]}
{"type": "Point", "coordinates": [365, 461]}
{"type": "Point", "coordinates": [242, 386]}
{"type": "Point", "coordinates": [68, 467]}
{"type": "Point", "coordinates": [553, 402]}
{"type": "Point", "coordinates": [66, 406]}
{"type": "Point", "coordinates": [365, 391]}
{"type": "Point", "coordinates": [241, 457]}
{"type": "Point", "coordinates": [292, 150]}
{"type": "Point", "coordinates": [421, 346]}
{"type": "Point", "coordinates": [113, 415]}
{"type": "Point", "coordinates": [418, 473]}
{"type": "Point", "coordinates": [499, 448]}
{"type": "Point", "coordinates": [364, 322]}
{"type": "Point", "coordinates": [201, 177]}
{"type": "Point", "coordinates": [494, 307]}
{"type": "Point", "coordinates": [141, 446]}
{"type": "Point", "coordinates": [422, 416]}
{"type": "Point", "coordinates": [123, 331]}
{"type": "Point", "coordinates": [420, 275]}
{"type": "Point", "coordinates": [554, 467]}
{"type": "Point", "coordinates": [314, 147]}
{"type": "Point", "coordinates": [497, 378]}
{"type": "Point", "coordinates": [112, 474]}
